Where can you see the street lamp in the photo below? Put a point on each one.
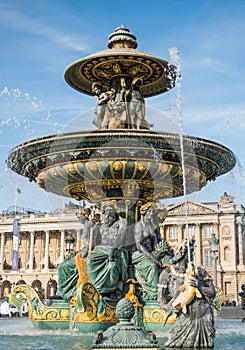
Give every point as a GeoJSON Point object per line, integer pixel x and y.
{"type": "Point", "coordinates": [69, 240]}
{"type": "Point", "coordinates": [50, 287]}
{"type": "Point", "coordinates": [214, 247]}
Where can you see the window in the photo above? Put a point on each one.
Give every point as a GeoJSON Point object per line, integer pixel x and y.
{"type": "Point", "coordinates": [227, 288]}
{"type": "Point", "coordinates": [208, 230]}
{"type": "Point", "coordinates": [208, 257]}
{"type": "Point", "coordinates": [227, 254]}
{"type": "Point", "coordinates": [172, 232]}
{"type": "Point", "coordinates": [190, 231]}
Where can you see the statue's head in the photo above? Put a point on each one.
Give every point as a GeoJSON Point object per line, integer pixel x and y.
{"type": "Point", "coordinates": [83, 214]}
{"type": "Point", "coordinates": [148, 212]}
{"type": "Point", "coordinates": [182, 252]}
{"type": "Point", "coordinates": [109, 211]}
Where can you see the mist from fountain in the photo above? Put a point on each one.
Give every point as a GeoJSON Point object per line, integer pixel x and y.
{"type": "Point", "coordinates": [22, 116]}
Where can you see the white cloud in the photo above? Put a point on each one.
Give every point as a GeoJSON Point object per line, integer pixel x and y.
{"type": "Point", "coordinates": [13, 19]}
{"type": "Point", "coordinates": [224, 114]}
{"type": "Point", "coordinates": [211, 64]}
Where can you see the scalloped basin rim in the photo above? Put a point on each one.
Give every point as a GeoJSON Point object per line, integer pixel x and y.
{"type": "Point", "coordinates": [98, 164]}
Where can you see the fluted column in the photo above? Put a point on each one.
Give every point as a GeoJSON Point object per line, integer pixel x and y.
{"type": "Point", "coordinates": [31, 250]}
{"type": "Point", "coordinates": [62, 245]}
{"type": "Point", "coordinates": [46, 255]}
{"type": "Point", "coordinates": [2, 250]}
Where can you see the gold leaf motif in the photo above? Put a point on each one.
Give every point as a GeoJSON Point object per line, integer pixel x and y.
{"type": "Point", "coordinates": [140, 166]}
{"type": "Point", "coordinates": [117, 165]}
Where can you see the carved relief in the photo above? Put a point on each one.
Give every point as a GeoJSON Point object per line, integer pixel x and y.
{"type": "Point", "coordinates": [193, 208]}
{"type": "Point", "coordinates": [226, 231]}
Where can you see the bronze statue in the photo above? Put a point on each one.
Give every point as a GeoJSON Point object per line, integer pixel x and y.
{"type": "Point", "coordinates": [101, 113]}
{"type": "Point", "coordinates": [121, 107]}
{"type": "Point", "coordinates": [188, 292]}
{"type": "Point", "coordinates": [67, 271]}
{"type": "Point", "coordinates": [136, 105]}
{"type": "Point", "coordinates": [107, 265]}
{"type": "Point", "coordinates": [151, 251]}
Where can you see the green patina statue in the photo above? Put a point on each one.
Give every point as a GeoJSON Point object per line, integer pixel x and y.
{"type": "Point", "coordinates": [151, 252]}
{"type": "Point", "coordinates": [67, 271]}
{"type": "Point", "coordinates": [110, 259]}
{"type": "Point", "coordinates": [107, 265]}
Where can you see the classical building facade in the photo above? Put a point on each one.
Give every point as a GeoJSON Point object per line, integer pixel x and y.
{"type": "Point", "coordinates": [224, 219]}
{"type": "Point", "coordinates": [42, 243]}
{"type": "Point", "coordinates": [42, 247]}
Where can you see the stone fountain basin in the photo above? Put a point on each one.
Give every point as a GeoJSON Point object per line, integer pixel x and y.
{"type": "Point", "coordinates": [114, 164]}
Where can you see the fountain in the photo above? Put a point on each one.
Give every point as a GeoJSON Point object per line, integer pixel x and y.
{"type": "Point", "coordinates": [125, 168]}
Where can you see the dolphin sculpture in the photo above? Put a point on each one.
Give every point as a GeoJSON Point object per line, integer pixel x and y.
{"type": "Point", "coordinates": [188, 290]}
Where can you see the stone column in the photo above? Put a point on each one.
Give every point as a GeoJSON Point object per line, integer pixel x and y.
{"type": "Point", "coordinates": [46, 254]}
{"type": "Point", "coordinates": [217, 257]}
{"type": "Point", "coordinates": [31, 251]}
{"type": "Point", "coordinates": [179, 234]}
{"type": "Point", "coordinates": [198, 245]}
{"type": "Point", "coordinates": [78, 239]}
{"type": "Point", "coordinates": [240, 246]}
{"type": "Point", "coordinates": [2, 250]}
{"type": "Point", "coordinates": [62, 245]}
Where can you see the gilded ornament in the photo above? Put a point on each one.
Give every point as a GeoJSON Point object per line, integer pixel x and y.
{"type": "Point", "coordinates": [42, 175]}
{"type": "Point", "coordinates": [70, 168]}
{"type": "Point", "coordinates": [140, 166]}
{"type": "Point", "coordinates": [117, 165]}
{"type": "Point", "coordinates": [165, 168]}
{"type": "Point", "coordinates": [92, 166]}
{"type": "Point", "coordinates": [53, 171]}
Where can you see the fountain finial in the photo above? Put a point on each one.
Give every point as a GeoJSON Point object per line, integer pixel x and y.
{"type": "Point", "coordinates": [122, 38]}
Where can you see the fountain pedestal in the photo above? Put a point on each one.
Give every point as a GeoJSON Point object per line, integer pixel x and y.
{"type": "Point", "coordinates": [125, 335]}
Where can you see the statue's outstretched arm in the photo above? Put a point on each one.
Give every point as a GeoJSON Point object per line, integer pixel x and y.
{"type": "Point", "coordinates": [143, 250]}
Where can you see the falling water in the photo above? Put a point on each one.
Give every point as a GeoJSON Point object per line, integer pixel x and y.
{"type": "Point", "coordinates": [22, 116]}
{"type": "Point", "coordinates": [175, 60]}
{"type": "Point", "coordinates": [20, 109]}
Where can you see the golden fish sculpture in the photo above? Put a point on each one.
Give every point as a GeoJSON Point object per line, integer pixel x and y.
{"type": "Point", "coordinates": [188, 291]}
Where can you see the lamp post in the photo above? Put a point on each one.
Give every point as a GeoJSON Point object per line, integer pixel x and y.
{"type": "Point", "coordinates": [69, 240]}
{"type": "Point", "coordinates": [214, 247]}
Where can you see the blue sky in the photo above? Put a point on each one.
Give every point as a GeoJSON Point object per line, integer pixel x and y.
{"type": "Point", "coordinates": [39, 39]}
